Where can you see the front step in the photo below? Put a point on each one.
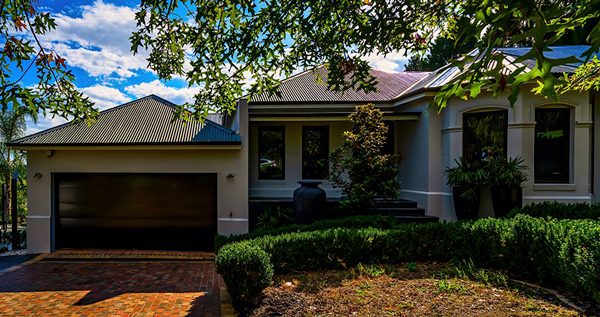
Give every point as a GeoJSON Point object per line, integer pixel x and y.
{"type": "Point", "coordinates": [405, 211]}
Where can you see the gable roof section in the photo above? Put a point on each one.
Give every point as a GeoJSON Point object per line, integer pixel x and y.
{"type": "Point", "coordinates": [306, 87]}
{"type": "Point", "coordinates": [146, 121]}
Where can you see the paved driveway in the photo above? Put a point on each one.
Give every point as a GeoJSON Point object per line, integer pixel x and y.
{"type": "Point", "coordinates": [111, 288]}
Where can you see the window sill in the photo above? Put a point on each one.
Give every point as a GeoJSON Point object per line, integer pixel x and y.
{"type": "Point", "coordinates": [555, 187]}
{"type": "Point", "coordinates": [270, 182]}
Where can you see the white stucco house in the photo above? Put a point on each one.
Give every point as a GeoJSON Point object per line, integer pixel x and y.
{"type": "Point", "coordinates": [154, 183]}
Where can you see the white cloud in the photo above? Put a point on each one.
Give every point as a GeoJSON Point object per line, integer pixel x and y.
{"type": "Point", "coordinates": [105, 97]}
{"type": "Point", "coordinates": [43, 124]}
{"type": "Point", "coordinates": [392, 62]}
{"type": "Point", "coordinates": [98, 41]}
{"type": "Point", "coordinates": [175, 95]}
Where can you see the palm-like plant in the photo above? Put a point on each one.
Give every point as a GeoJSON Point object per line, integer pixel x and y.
{"type": "Point", "coordinates": [12, 126]}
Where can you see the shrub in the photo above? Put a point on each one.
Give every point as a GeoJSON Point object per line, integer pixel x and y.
{"type": "Point", "coordinates": [275, 216]}
{"type": "Point", "coordinates": [359, 165]}
{"type": "Point", "coordinates": [362, 221]}
{"type": "Point", "coordinates": [246, 270]}
{"type": "Point", "coordinates": [559, 210]}
{"type": "Point", "coordinates": [565, 252]}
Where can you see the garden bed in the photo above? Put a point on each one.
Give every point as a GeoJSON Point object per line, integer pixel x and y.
{"type": "Point", "coordinates": [416, 289]}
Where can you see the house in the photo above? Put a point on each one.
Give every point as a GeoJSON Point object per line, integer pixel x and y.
{"type": "Point", "coordinates": [136, 179]}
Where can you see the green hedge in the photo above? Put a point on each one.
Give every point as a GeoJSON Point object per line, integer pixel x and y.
{"type": "Point", "coordinates": [566, 252]}
{"type": "Point", "coordinates": [559, 210]}
{"type": "Point", "coordinates": [362, 221]}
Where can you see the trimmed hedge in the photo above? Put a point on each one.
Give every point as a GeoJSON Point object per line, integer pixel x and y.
{"type": "Point", "coordinates": [249, 271]}
{"type": "Point", "coordinates": [565, 252]}
{"type": "Point", "coordinates": [362, 221]}
{"type": "Point", "coordinates": [559, 210]}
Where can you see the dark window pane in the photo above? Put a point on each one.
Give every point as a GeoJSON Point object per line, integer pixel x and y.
{"type": "Point", "coordinates": [271, 153]}
{"type": "Point", "coordinates": [315, 152]}
{"type": "Point", "coordinates": [552, 145]}
{"type": "Point", "coordinates": [484, 135]}
{"type": "Point", "coordinates": [388, 147]}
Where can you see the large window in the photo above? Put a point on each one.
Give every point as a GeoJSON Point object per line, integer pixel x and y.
{"type": "Point", "coordinates": [484, 134]}
{"type": "Point", "coordinates": [315, 152]}
{"type": "Point", "coordinates": [552, 145]}
{"type": "Point", "coordinates": [271, 152]}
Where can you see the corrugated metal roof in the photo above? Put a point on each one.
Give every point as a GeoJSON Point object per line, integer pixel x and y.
{"type": "Point", "coordinates": [445, 75]}
{"type": "Point", "coordinates": [146, 121]}
{"type": "Point", "coordinates": [307, 88]}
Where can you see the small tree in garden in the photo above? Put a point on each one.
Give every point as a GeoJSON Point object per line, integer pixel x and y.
{"type": "Point", "coordinates": [359, 166]}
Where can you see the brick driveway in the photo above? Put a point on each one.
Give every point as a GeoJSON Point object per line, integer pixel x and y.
{"type": "Point", "coordinates": [111, 288]}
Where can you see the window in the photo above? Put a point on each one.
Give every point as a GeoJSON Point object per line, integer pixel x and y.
{"type": "Point", "coordinates": [552, 145]}
{"type": "Point", "coordinates": [484, 135]}
{"type": "Point", "coordinates": [271, 153]}
{"type": "Point", "coordinates": [388, 147]}
{"type": "Point", "coordinates": [315, 152]}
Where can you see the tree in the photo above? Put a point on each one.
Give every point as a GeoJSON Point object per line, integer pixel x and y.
{"type": "Point", "coordinates": [439, 54]}
{"type": "Point", "coordinates": [12, 126]}
{"type": "Point", "coordinates": [21, 52]}
{"type": "Point", "coordinates": [229, 42]}
{"type": "Point", "coordinates": [359, 166]}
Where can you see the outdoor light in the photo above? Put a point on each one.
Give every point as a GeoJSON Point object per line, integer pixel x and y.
{"type": "Point", "coordinates": [230, 176]}
{"type": "Point", "coordinates": [37, 175]}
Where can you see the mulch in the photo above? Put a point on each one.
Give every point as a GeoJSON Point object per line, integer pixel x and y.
{"type": "Point", "coordinates": [400, 292]}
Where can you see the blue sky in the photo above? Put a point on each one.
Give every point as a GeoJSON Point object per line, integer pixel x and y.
{"type": "Point", "coordinates": [93, 37]}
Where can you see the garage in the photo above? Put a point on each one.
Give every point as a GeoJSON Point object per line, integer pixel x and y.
{"type": "Point", "coordinates": [135, 210]}
{"type": "Point", "coordinates": [156, 211]}
{"type": "Point", "coordinates": [137, 177]}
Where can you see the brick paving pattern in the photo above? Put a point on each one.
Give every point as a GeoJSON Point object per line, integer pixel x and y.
{"type": "Point", "coordinates": [111, 288]}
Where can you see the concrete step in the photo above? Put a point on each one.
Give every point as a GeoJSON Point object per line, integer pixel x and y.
{"type": "Point", "coordinates": [401, 211]}
{"type": "Point", "coordinates": [395, 203]}
{"type": "Point", "coordinates": [416, 219]}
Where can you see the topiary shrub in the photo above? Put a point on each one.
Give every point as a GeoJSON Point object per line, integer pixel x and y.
{"type": "Point", "coordinates": [246, 270]}
{"type": "Point", "coordinates": [359, 165]}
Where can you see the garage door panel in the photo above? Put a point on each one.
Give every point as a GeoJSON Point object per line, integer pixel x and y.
{"type": "Point", "coordinates": [129, 210]}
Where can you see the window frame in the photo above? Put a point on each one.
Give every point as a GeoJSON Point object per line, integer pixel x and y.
{"type": "Point", "coordinates": [280, 128]}
{"type": "Point", "coordinates": [484, 111]}
{"type": "Point", "coordinates": [327, 129]}
{"type": "Point", "coordinates": [570, 138]}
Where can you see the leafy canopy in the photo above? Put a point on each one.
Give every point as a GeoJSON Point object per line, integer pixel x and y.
{"type": "Point", "coordinates": [236, 42]}
{"type": "Point", "coordinates": [22, 51]}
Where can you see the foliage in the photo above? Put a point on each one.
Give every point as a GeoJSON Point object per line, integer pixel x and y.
{"type": "Point", "coordinates": [246, 270]}
{"type": "Point", "coordinates": [562, 252]}
{"type": "Point", "coordinates": [21, 27]}
{"type": "Point", "coordinates": [359, 166]}
{"type": "Point", "coordinates": [229, 42]}
{"type": "Point", "coordinates": [6, 239]}
{"type": "Point", "coordinates": [586, 77]}
{"type": "Point", "coordinates": [439, 54]}
{"type": "Point", "coordinates": [502, 171]}
{"type": "Point", "coordinates": [469, 175]}
{"type": "Point", "coordinates": [275, 216]}
{"type": "Point", "coordinates": [559, 210]}
{"type": "Point", "coordinates": [361, 221]}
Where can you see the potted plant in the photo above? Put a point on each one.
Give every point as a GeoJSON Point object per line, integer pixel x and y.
{"type": "Point", "coordinates": [466, 178]}
{"type": "Point", "coordinates": [505, 177]}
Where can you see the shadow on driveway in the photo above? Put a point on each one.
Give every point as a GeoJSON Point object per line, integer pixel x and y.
{"type": "Point", "coordinates": [98, 288]}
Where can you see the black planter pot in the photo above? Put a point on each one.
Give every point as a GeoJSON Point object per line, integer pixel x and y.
{"type": "Point", "coordinates": [505, 198]}
{"type": "Point", "coordinates": [465, 208]}
{"type": "Point", "coordinates": [309, 201]}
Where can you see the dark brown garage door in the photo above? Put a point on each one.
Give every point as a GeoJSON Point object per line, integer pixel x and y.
{"type": "Point", "coordinates": [135, 211]}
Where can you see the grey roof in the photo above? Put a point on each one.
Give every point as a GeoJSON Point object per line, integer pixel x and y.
{"type": "Point", "coordinates": [146, 121]}
{"type": "Point", "coordinates": [310, 87]}
{"type": "Point", "coordinates": [446, 74]}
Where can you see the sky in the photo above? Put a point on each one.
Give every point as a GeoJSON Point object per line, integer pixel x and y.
{"type": "Point", "coordinates": [93, 37]}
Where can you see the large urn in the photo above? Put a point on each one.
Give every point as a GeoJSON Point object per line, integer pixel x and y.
{"type": "Point", "coordinates": [309, 201]}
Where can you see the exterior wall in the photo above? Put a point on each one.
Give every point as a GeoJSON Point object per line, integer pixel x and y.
{"type": "Point", "coordinates": [232, 200]}
{"type": "Point", "coordinates": [520, 141]}
{"type": "Point", "coordinates": [293, 159]}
